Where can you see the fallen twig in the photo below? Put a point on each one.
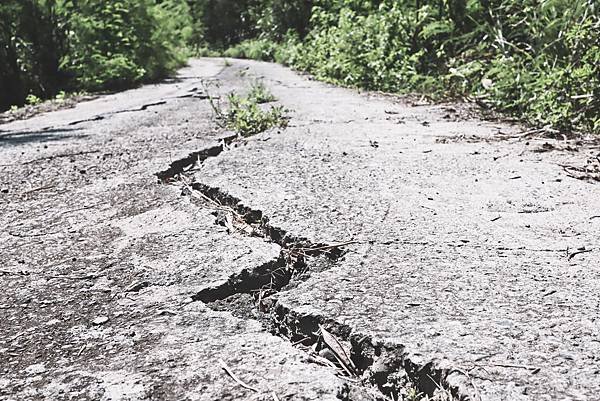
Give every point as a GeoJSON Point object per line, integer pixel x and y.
{"type": "Point", "coordinates": [235, 378]}
{"type": "Point", "coordinates": [300, 341]}
{"type": "Point", "coordinates": [38, 189]}
{"type": "Point", "coordinates": [572, 255]}
{"type": "Point", "coordinates": [447, 395]}
{"type": "Point", "coordinates": [81, 350]}
{"type": "Point", "coordinates": [18, 235]}
{"type": "Point", "coordinates": [583, 173]}
{"type": "Point", "coordinates": [322, 361]}
{"type": "Point", "coordinates": [508, 365]}
{"type": "Point", "coordinates": [523, 134]}
{"type": "Point", "coordinates": [195, 193]}
{"type": "Point", "coordinates": [323, 248]}
{"type": "Point", "coordinates": [90, 276]}
{"type": "Point", "coordinates": [305, 251]}
{"type": "Point", "coordinates": [234, 218]}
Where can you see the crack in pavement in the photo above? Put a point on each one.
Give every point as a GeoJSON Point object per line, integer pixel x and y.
{"type": "Point", "coordinates": [429, 297]}
{"type": "Point", "coordinates": [143, 107]}
{"type": "Point", "coordinates": [445, 300]}
{"type": "Point", "coordinates": [387, 366]}
{"type": "Point", "coordinates": [156, 344]}
{"type": "Point", "coordinates": [193, 93]}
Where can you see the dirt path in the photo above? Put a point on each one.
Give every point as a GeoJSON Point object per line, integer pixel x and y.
{"type": "Point", "coordinates": [470, 265]}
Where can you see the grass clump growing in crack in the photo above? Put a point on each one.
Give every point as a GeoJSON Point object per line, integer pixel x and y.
{"type": "Point", "coordinates": [247, 118]}
{"type": "Point", "coordinates": [260, 94]}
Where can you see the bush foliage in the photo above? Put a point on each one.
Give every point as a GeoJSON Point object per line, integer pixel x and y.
{"type": "Point", "coordinates": [51, 45]}
{"type": "Point", "coordinates": [535, 59]}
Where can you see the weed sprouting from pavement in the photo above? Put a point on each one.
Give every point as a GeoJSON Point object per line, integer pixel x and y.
{"type": "Point", "coordinates": [247, 118]}
{"type": "Point", "coordinates": [260, 94]}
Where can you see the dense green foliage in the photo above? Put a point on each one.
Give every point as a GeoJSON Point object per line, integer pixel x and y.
{"type": "Point", "coordinates": [121, 42]}
{"type": "Point", "coordinates": [224, 23]}
{"type": "Point", "coordinates": [47, 46]}
{"type": "Point", "coordinates": [536, 59]}
{"type": "Point", "coordinates": [30, 49]}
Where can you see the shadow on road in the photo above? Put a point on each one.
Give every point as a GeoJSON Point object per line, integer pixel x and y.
{"type": "Point", "coordinates": [8, 138]}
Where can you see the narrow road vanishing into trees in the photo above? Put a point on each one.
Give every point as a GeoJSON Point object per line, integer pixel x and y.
{"type": "Point", "coordinates": [374, 248]}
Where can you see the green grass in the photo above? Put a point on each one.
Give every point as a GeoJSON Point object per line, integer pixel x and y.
{"type": "Point", "coordinates": [246, 116]}
{"type": "Point", "coordinates": [260, 94]}
{"type": "Point", "coordinates": [256, 49]}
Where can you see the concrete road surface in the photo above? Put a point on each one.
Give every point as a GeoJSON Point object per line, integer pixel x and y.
{"type": "Point", "coordinates": [378, 248]}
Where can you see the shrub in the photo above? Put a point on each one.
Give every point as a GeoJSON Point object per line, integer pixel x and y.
{"type": "Point", "coordinates": [119, 43]}
{"type": "Point", "coordinates": [247, 118]}
{"type": "Point", "coordinates": [535, 60]}
{"type": "Point", "coordinates": [254, 49]}
{"type": "Point", "coordinates": [51, 45]}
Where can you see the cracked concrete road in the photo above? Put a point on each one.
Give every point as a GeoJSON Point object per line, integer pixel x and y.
{"type": "Point", "coordinates": [464, 273]}
{"type": "Point", "coordinates": [466, 259]}
{"type": "Point", "coordinates": [99, 262]}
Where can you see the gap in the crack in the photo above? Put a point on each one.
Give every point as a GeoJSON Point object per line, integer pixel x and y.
{"type": "Point", "coordinates": [246, 306]}
{"type": "Point", "coordinates": [242, 306]}
{"type": "Point", "coordinates": [303, 272]}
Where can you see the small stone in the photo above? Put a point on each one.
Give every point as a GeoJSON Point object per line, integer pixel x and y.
{"type": "Point", "coordinates": [100, 320]}
{"type": "Point", "coordinates": [36, 369]}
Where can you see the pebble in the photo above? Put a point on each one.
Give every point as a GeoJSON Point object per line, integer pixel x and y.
{"type": "Point", "coordinates": [36, 369]}
{"type": "Point", "coordinates": [100, 320]}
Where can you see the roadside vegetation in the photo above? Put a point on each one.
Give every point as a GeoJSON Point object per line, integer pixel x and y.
{"type": "Point", "coordinates": [260, 94]}
{"type": "Point", "coordinates": [48, 47]}
{"type": "Point", "coordinates": [537, 60]}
